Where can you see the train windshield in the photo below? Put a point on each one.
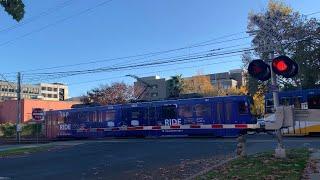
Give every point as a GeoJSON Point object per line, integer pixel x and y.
{"type": "Point", "coordinates": [314, 102]}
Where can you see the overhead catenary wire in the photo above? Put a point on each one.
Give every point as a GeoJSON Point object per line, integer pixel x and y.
{"type": "Point", "coordinates": [196, 45]}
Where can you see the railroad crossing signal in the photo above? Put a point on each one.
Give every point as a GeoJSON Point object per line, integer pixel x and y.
{"type": "Point", "coordinates": [281, 65]}
{"type": "Point", "coordinates": [259, 70]}
{"type": "Point", "coordinates": [284, 66]}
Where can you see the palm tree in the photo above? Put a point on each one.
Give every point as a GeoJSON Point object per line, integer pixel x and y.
{"type": "Point", "coordinates": [175, 86]}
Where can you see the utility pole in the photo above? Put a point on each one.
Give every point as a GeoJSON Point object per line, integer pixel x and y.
{"type": "Point", "coordinates": [280, 150]}
{"type": "Point", "coordinates": [18, 128]}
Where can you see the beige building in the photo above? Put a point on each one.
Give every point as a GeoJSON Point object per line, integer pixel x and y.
{"type": "Point", "coordinates": [44, 91]}
{"type": "Point", "coordinates": [53, 91]}
{"type": "Point", "coordinates": [151, 88]}
{"type": "Point", "coordinates": [231, 79]}
{"type": "Point", "coordinates": [8, 91]}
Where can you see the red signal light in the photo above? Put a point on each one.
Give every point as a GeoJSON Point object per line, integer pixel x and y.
{"type": "Point", "coordinates": [259, 70]}
{"type": "Point", "coordinates": [284, 66]}
{"type": "Point", "coordinates": [281, 65]}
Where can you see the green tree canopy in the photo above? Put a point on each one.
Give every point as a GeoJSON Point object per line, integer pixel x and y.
{"type": "Point", "coordinates": [15, 8]}
{"type": "Point", "coordinates": [294, 35]}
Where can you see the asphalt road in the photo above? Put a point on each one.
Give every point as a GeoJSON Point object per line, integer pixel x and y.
{"type": "Point", "coordinates": [122, 158]}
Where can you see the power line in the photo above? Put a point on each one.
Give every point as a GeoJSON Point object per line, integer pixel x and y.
{"type": "Point", "coordinates": [187, 67]}
{"type": "Point", "coordinates": [56, 22]}
{"type": "Point", "coordinates": [201, 44]}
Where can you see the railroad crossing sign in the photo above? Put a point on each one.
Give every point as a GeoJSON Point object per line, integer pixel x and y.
{"type": "Point", "coordinates": [269, 39]}
{"type": "Point", "coordinates": [38, 114]}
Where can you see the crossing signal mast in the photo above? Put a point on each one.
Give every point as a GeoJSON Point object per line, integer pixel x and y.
{"type": "Point", "coordinates": [284, 115]}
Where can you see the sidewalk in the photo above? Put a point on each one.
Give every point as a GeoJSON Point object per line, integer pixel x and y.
{"type": "Point", "coordinates": [17, 146]}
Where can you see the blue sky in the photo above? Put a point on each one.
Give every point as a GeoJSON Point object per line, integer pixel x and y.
{"type": "Point", "coordinates": [122, 28]}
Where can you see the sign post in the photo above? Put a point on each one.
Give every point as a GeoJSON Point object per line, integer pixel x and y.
{"type": "Point", "coordinates": [38, 117]}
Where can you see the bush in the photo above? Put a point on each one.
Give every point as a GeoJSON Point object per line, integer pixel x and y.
{"type": "Point", "coordinates": [31, 129]}
{"type": "Point", "coordinates": [8, 130]}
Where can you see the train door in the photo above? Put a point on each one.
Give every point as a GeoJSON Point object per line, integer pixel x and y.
{"type": "Point", "coordinates": [218, 113]}
{"type": "Point", "coordinates": [151, 116]}
{"type": "Point", "coordinates": [231, 112]}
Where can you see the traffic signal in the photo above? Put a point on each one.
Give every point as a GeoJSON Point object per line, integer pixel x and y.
{"type": "Point", "coordinates": [259, 70]}
{"type": "Point", "coordinates": [284, 66]}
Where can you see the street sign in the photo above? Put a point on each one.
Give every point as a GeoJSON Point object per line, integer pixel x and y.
{"type": "Point", "coordinates": [19, 127]}
{"type": "Point", "coordinates": [38, 114]}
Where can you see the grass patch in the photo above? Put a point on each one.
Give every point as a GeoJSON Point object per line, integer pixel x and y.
{"type": "Point", "coordinates": [263, 166]}
{"type": "Point", "coordinates": [22, 151]}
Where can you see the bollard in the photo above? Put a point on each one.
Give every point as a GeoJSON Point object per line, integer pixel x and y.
{"type": "Point", "coordinates": [241, 146]}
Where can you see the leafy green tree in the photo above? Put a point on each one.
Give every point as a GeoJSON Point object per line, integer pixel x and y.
{"type": "Point", "coordinates": [294, 35]}
{"type": "Point", "coordinates": [15, 8]}
{"type": "Point", "coordinates": [175, 86]}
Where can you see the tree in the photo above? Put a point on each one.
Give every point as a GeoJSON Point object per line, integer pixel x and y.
{"type": "Point", "coordinates": [15, 8]}
{"type": "Point", "coordinates": [116, 93]}
{"type": "Point", "coordinates": [294, 35]}
{"type": "Point", "coordinates": [199, 84]}
{"type": "Point", "coordinates": [175, 86]}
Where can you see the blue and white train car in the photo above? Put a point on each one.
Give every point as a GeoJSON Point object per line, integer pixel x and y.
{"type": "Point", "coordinates": [211, 116]}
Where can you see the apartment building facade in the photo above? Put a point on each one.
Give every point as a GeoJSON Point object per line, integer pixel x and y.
{"type": "Point", "coordinates": [44, 91]}
{"type": "Point", "coordinates": [157, 89]}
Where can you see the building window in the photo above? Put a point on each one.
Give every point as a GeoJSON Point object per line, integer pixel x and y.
{"type": "Point", "coordinates": [49, 89]}
{"type": "Point", "coordinates": [44, 95]}
{"type": "Point", "coordinates": [43, 88]}
{"type": "Point", "coordinates": [55, 89]}
{"type": "Point", "coordinates": [55, 96]}
{"type": "Point", "coordinates": [154, 86]}
{"type": "Point", "coordinates": [49, 95]}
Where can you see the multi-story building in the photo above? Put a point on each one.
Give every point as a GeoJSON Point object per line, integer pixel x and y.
{"type": "Point", "coordinates": [45, 91]}
{"type": "Point", "coordinates": [238, 75]}
{"type": "Point", "coordinates": [54, 91]}
{"type": "Point", "coordinates": [8, 90]}
{"type": "Point", "coordinates": [231, 79]}
{"type": "Point", "coordinates": [157, 89]}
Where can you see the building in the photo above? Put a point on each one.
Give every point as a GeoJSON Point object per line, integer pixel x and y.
{"type": "Point", "coordinates": [8, 109]}
{"type": "Point", "coordinates": [238, 75]}
{"type": "Point", "coordinates": [157, 89]}
{"type": "Point", "coordinates": [54, 91]}
{"type": "Point", "coordinates": [233, 78]}
{"type": "Point", "coordinates": [44, 91]}
{"type": "Point", "coordinates": [8, 90]}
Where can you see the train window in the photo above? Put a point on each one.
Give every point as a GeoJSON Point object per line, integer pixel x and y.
{"type": "Point", "coordinates": [297, 102]}
{"type": "Point", "coordinates": [169, 112]}
{"type": "Point", "coordinates": [285, 101]}
{"type": "Point", "coordinates": [203, 110]}
{"type": "Point", "coordinates": [314, 102]}
{"type": "Point", "coordinates": [135, 114]}
{"type": "Point", "coordinates": [185, 111]}
{"type": "Point", "coordinates": [243, 108]}
{"type": "Point", "coordinates": [110, 116]}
